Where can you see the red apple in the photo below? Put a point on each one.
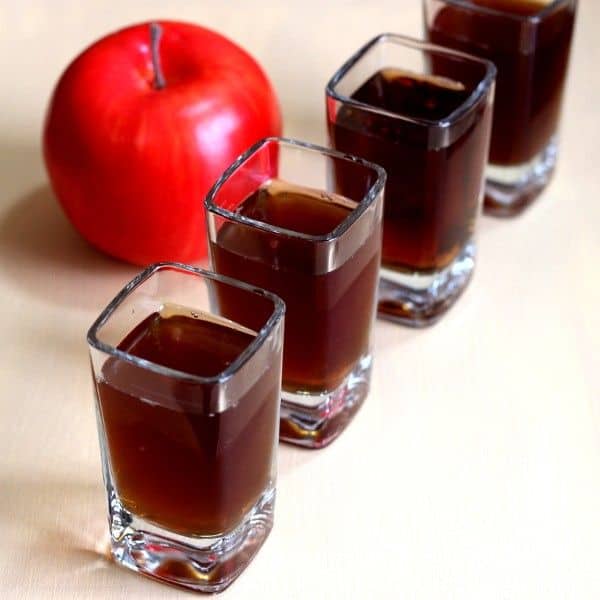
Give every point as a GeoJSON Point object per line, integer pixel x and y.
{"type": "Point", "coordinates": [141, 124]}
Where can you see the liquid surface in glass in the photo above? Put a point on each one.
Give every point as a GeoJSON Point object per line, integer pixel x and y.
{"type": "Point", "coordinates": [517, 7]}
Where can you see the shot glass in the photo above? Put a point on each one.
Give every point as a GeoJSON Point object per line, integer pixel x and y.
{"type": "Point", "coordinates": [424, 114]}
{"type": "Point", "coordinates": [187, 403]}
{"type": "Point", "coordinates": [275, 219]}
{"type": "Point", "coordinates": [529, 41]}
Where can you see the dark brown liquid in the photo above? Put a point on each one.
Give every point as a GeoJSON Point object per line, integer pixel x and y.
{"type": "Point", "coordinates": [328, 315]}
{"type": "Point", "coordinates": [173, 463]}
{"type": "Point", "coordinates": [431, 195]}
{"type": "Point", "coordinates": [421, 97]}
{"type": "Point", "coordinates": [532, 68]}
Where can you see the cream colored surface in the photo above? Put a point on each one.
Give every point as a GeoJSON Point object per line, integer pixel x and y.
{"type": "Point", "coordinates": [473, 469]}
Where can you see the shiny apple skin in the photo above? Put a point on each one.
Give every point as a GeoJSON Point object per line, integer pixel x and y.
{"type": "Point", "coordinates": [131, 164]}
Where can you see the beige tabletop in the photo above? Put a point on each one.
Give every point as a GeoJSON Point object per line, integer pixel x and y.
{"type": "Point", "coordinates": [473, 469]}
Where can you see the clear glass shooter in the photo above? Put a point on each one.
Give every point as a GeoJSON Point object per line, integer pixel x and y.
{"type": "Point", "coordinates": [276, 220]}
{"type": "Point", "coordinates": [424, 114]}
{"type": "Point", "coordinates": [529, 41]}
{"type": "Point", "coordinates": [189, 461]}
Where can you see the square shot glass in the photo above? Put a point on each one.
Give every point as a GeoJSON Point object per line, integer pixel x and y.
{"type": "Point", "coordinates": [529, 41]}
{"type": "Point", "coordinates": [387, 104]}
{"type": "Point", "coordinates": [189, 460]}
{"type": "Point", "coordinates": [276, 220]}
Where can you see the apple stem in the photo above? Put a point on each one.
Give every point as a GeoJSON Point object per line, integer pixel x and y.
{"type": "Point", "coordinates": [155, 34]}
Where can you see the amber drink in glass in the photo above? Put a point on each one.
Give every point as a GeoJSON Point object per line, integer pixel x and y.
{"type": "Point", "coordinates": [188, 414]}
{"type": "Point", "coordinates": [423, 113]}
{"type": "Point", "coordinates": [529, 41]}
{"type": "Point", "coordinates": [277, 221]}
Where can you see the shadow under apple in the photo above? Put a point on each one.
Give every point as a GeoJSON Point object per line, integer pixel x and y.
{"type": "Point", "coordinates": [41, 252]}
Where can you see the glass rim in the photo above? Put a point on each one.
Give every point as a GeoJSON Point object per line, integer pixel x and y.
{"type": "Point", "coordinates": [244, 356]}
{"type": "Point", "coordinates": [368, 199]}
{"type": "Point", "coordinates": [485, 84]}
{"type": "Point", "coordinates": [530, 19]}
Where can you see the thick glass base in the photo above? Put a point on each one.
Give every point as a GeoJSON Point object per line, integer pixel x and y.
{"type": "Point", "coordinates": [315, 420]}
{"type": "Point", "coordinates": [510, 190]}
{"type": "Point", "coordinates": [196, 563]}
{"type": "Point", "coordinates": [420, 300]}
